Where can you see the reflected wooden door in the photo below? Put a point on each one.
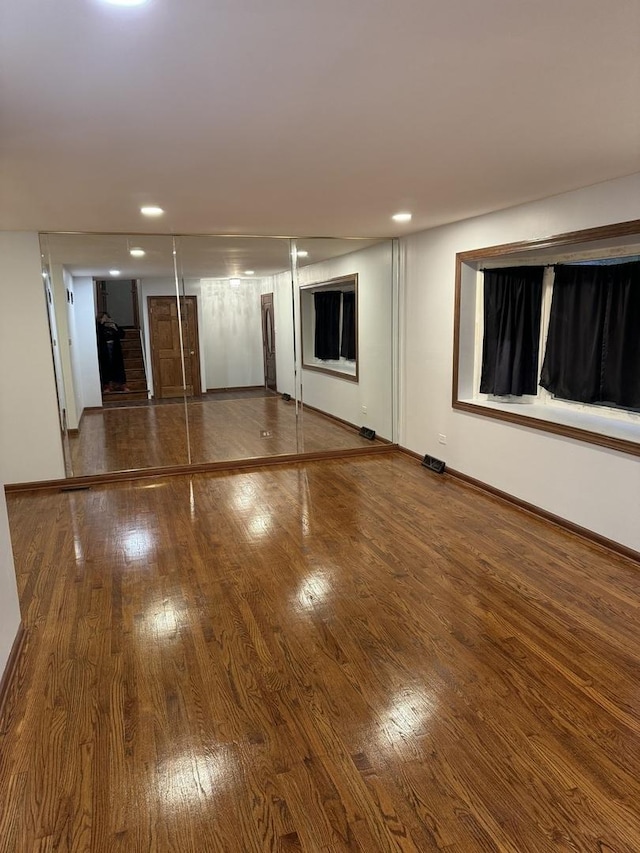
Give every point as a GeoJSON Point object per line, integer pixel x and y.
{"type": "Point", "coordinates": [189, 310]}
{"type": "Point", "coordinates": [268, 341]}
{"type": "Point", "coordinates": [164, 335]}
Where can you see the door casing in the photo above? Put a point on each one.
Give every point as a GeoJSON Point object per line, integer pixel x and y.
{"type": "Point", "coordinates": [268, 341]}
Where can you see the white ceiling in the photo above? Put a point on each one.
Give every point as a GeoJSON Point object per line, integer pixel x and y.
{"type": "Point", "coordinates": [309, 116]}
{"type": "Point", "coordinates": [196, 257]}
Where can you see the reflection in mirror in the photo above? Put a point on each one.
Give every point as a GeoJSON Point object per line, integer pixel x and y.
{"type": "Point", "coordinates": [53, 332]}
{"type": "Point", "coordinates": [238, 335]}
{"type": "Point", "coordinates": [171, 351]}
{"type": "Point", "coordinates": [329, 326]}
{"type": "Point", "coordinates": [345, 302]}
{"type": "Point", "coordinates": [243, 337]}
{"type": "Point", "coordinates": [117, 363]}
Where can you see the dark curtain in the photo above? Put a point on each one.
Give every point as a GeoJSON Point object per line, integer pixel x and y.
{"type": "Point", "coordinates": [593, 344]}
{"type": "Point", "coordinates": [348, 343]}
{"type": "Point", "coordinates": [327, 339]}
{"type": "Point", "coordinates": [621, 368]}
{"type": "Point", "coordinates": [512, 305]}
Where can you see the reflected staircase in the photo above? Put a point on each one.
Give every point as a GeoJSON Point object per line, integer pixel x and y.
{"type": "Point", "coordinates": [133, 368]}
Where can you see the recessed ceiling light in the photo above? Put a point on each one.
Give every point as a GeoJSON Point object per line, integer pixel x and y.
{"type": "Point", "coordinates": [301, 253]}
{"type": "Point", "coordinates": [114, 272]}
{"type": "Point", "coordinates": [401, 217]}
{"type": "Point", "coordinates": [151, 210]}
{"type": "Point", "coordinates": [137, 253]}
{"type": "Point", "coordinates": [249, 272]}
{"type": "Point", "coordinates": [126, 2]}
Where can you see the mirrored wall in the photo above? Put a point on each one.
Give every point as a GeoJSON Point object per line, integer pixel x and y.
{"type": "Point", "coordinates": [190, 350]}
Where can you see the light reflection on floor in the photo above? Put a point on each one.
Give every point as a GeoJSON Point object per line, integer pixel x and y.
{"type": "Point", "coordinates": [195, 776]}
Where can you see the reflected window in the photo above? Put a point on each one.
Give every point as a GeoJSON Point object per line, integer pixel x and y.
{"type": "Point", "coordinates": [329, 323]}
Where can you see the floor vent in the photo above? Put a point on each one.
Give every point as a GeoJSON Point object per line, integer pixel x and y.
{"type": "Point", "coordinates": [434, 464]}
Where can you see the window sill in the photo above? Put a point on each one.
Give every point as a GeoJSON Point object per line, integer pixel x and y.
{"type": "Point", "coordinates": [582, 426]}
{"type": "Point", "coordinates": [342, 369]}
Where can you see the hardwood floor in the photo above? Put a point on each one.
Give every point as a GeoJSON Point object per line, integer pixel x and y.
{"type": "Point", "coordinates": [345, 655]}
{"type": "Point", "coordinates": [125, 437]}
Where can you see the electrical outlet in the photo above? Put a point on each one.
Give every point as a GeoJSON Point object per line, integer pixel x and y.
{"type": "Point", "coordinates": [442, 439]}
{"type": "Point", "coordinates": [364, 410]}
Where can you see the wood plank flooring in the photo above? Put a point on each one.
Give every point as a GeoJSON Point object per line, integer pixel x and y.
{"type": "Point", "coordinates": [123, 438]}
{"type": "Point", "coordinates": [347, 655]}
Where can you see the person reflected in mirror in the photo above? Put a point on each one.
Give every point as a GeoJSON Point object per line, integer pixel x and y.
{"type": "Point", "coordinates": [111, 363]}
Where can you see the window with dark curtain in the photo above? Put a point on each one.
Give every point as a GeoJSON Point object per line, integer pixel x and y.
{"type": "Point", "coordinates": [327, 337]}
{"type": "Point", "coordinates": [593, 344]}
{"type": "Point", "coordinates": [348, 343]}
{"type": "Point", "coordinates": [512, 307]}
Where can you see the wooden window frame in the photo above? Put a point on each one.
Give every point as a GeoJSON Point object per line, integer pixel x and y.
{"type": "Point", "coordinates": [530, 247]}
{"type": "Point", "coordinates": [331, 284]}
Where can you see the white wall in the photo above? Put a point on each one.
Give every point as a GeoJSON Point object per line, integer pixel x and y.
{"type": "Point", "coordinates": [75, 355]}
{"type": "Point", "coordinates": [59, 282]}
{"type": "Point", "coordinates": [280, 286]}
{"type": "Point", "coordinates": [588, 485]}
{"type": "Point", "coordinates": [55, 349]}
{"type": "Point", "coordinates": [232, 332]}
{"type": "Point", "coordinates": [85, 342]}
{"type": "Point", "coordinates": [341, 397]}
{"type": "Point", "coordinates": [30, 440]}
{"type": "Point", "coordinates": [9, 607]}
{"type": "Point", "coordinates": [79, 351]}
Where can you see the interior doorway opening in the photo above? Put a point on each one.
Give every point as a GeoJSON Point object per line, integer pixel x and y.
{"type": "Point", "coordinates": [128, 381]}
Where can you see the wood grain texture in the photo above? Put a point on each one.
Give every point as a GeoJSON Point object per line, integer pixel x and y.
{"type": "Point", "coordinates": [255, 463]}
{"type": "Point", "coordinates": [11, 666]}
{"type": "Point", "coordinates": [341, 655]}
{"type": "Point", "coordinates": [220, 430]}
{"type": "Point", "coordinates": [584, 532]}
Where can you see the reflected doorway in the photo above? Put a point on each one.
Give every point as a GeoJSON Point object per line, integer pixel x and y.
{"type": "Point", "coordinates": [119, 299]}
{"type": "Point", "coordinates": [268, 342]}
